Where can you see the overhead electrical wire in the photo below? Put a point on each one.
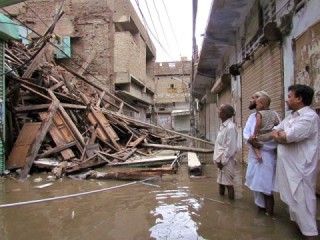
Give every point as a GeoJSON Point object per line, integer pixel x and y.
{"type": "Point", "coordinates": [147, 26]}
{"type": "Point", "coordinates": [75, 194]}
{"type": "Point", "coordinates": [154, 26]}
{"type": "Point", "coordinates": [137, 2]}
{"type": "Point", "coordinates": [160, 22]}
{"type": "Point", "coordinates": [173, 32]}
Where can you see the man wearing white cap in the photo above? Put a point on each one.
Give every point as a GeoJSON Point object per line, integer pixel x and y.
{"type": "Point", "coordinates": [260, 176]}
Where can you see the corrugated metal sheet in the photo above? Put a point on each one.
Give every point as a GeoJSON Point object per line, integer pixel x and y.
{"type": "Point", "coordinates": [264, 72]}
{"type": "Point", "coordinates": [211, 122]}
{"type": "Point", "coordinates": [225, 96]}
{"type": "Point", "coordinates": [2, 110]}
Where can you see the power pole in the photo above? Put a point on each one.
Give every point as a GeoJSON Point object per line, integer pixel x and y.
{"type": "Point", "coordinates": [194, 52]}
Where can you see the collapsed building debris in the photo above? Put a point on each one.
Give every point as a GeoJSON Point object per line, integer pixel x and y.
{"type": "Point", "coordinates": [59, 121]}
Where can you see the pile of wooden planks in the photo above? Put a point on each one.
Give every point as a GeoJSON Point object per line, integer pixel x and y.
{"type": "Point", "coordinates": [58, 120]}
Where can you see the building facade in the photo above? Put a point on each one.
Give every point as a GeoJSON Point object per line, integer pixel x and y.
{"type": "Point", "coordinates": [254, 45]}
{"type": "Point", "coordinates": [104, 41]}
{"type": "Point", "coordinates": [171, 107]}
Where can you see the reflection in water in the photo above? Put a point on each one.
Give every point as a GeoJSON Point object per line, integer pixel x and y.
{"type": "Point", "coordinates": [173, 215]}
{"type": "Point", "coordinates": [175, 207]}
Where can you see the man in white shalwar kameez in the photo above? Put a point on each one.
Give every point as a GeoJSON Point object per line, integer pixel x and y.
{"type": "Point", "coordinates": [298, 156]}
{"type": "Point", "coordinates": [225, 150]}
{"type": "Point", "coordinates": [260, 176]}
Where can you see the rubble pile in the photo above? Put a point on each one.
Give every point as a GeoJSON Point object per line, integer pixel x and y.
{"type": "Point", "coordinates": [59, 121]}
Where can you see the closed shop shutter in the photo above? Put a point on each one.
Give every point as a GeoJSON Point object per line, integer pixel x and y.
{"type": "Point", "coordinates": [263, 72]}
{"type": "Point", "coordinates": [225, 96]}
{"type": "Point", "coordinates": [211, 124]}
{"type": "Point", "coordinates": [207, 122]}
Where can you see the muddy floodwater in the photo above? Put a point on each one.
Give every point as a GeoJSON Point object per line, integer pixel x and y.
{"type": "Point", "coordinates": [173, 207]}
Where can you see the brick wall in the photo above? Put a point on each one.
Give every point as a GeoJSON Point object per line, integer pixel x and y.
{"type": "Point", "coordinates": [165, 93]}
{"type": "Point", "coordinates": [125, 8]}
{"type": "Point", "coordinates": [90, 26]}
{"type": "Point", "coordinates": [168, 88]}
{"type": "Point", "coordinates": [130, 55]}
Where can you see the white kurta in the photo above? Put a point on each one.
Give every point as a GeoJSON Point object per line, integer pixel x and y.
{"type": "Point", "coordinates": [297, 167]}
{"type": "Point", "coordinates": [260, 177]}
{"type": "Point", "coordinates": [225, 150]}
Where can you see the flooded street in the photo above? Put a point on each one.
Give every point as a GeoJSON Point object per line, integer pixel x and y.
{"type": "Point", "coordinates": [174, 207]}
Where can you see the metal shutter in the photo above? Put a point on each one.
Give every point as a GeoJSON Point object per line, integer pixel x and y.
{"type": "Point", "coordinates": [263, 72]}
{"type": "Point", "coordinates": [225, 96]}
{"type": "Point", "coordinates": [211, 123]}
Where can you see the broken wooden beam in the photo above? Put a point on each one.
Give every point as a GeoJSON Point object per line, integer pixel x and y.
{"type": "Point", "coordinates": [44, 128]}
{"type": "Point", "coordinates": [20, 109]}
{"type": "Point", "coordinates": [153, 126]}
{"type": "Point", "coordinates": [194, 165]}
{"type": "Point", "coordinates": [60, 134]}
{"type": "Point", "coordinates": [72, 126]}
{"type": "Point", "coordinates": [57, 149]}
{"type": "Point", "coordinates": [97, 87]}
{"type": "Point", "coordinates": [178, 148]}
{"type": "Point", "coordinates": [146, 162]}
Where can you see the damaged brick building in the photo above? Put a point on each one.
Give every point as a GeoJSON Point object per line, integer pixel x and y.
{"type": "Point", "coordinates": [104, 41]}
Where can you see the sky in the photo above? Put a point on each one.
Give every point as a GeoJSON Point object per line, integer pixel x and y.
{"type": "Point", "coordinates": [170, 26]}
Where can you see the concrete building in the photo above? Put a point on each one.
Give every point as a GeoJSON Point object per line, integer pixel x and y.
{"type": "Point", "coordinates": [172, 95]}
{"type": "Point", "coordinates": [104, 41]}
{"type": "Point", "coordinates": [253, 45]}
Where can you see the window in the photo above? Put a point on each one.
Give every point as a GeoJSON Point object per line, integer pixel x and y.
{"type": "Point", "coordinates": [172, 65]}
{"type": "Point", "coordinates": [63, 47]}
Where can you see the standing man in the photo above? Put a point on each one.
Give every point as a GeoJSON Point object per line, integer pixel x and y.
{"type": "Point", "coordinates": [225, 150]}
{"type": "Point", "coordinates": [260, 176]}
{"type": "Point", "coordinates": [298, 136]}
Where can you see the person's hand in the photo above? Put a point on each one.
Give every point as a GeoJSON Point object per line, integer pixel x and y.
{"type": "Point", "coordinates": [275, 134]}
{"type": "Point", "coordinates": [254, 142]}
{"type": "Point", "coordinates": [220, 165]}
{"type": "Point", "coordinates": [279, 136]}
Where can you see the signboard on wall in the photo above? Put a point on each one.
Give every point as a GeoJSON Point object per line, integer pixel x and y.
{"type": "Point", "coordinates": [307, 60]}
